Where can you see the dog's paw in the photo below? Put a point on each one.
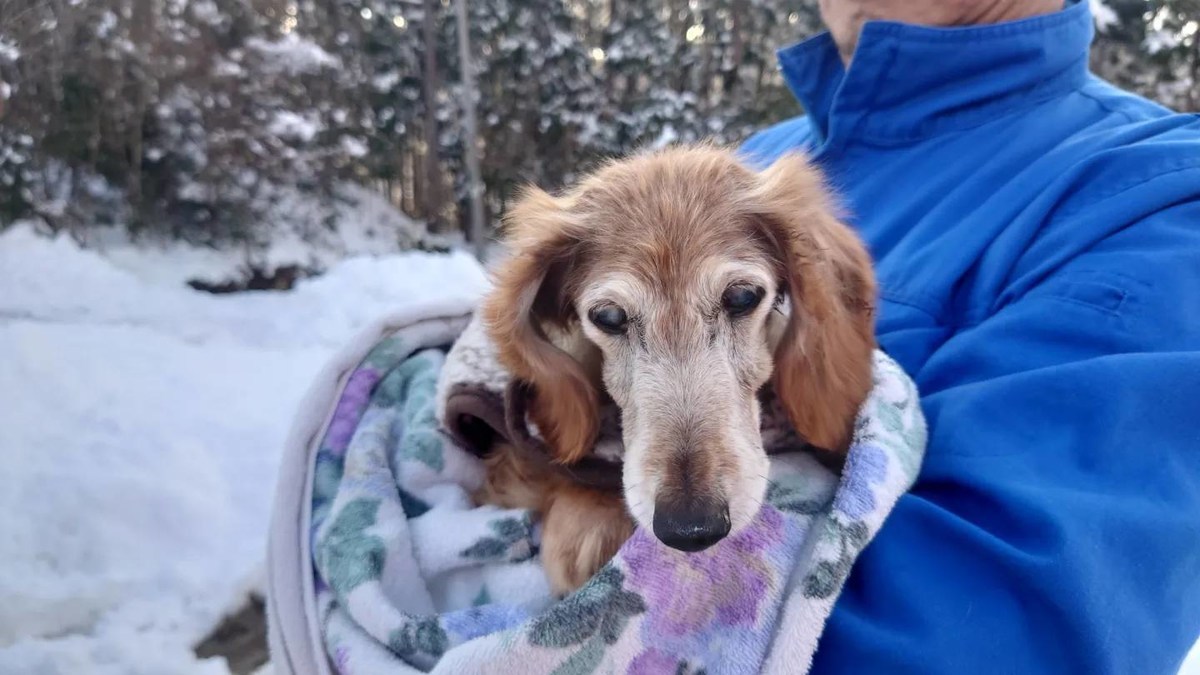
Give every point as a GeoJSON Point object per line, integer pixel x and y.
{"type": "Point", "coordinates": [582, 530]}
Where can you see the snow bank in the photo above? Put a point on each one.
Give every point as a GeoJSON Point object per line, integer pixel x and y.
{"type": "Point", "coordinates": [303, 233]}
{"type": "Point", "coordinates": [141, 430]}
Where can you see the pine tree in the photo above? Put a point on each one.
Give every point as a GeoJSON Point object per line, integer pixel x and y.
{"type": "Point", "coordinates": [217, 120]}
{"type": "Point", "coordinates": [1151, 47]}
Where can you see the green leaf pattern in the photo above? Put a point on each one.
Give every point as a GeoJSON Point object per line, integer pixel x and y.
{"type": "Point", "coordinates": [422, 637]}
{"type": "Point", "coordinates": [510, 541]}
{"type": "Point", "coordinates": [600, 608]}
{"type": "Point", "coordinates": [348, 555]}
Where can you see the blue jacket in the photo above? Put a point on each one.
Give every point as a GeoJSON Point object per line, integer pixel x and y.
{"type": "Point", "coordinates": [1037, 239]}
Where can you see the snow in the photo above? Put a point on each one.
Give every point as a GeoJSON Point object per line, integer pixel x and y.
{"type": "Point", "coordinates": [108, 21]}
{"type": "Point", "coordinates": [363, 223]}
{"type": "Point", "coordinates": [1191, 665]}
{"type": "Point", "coordinates": [8, 50]}
{"type": "Point", "coordinates": [207, 11]}
{"type": "Point", "coordinates": [354, 147]}
{"type": "Point", "coordinates": [227, 68]}
{"type": "Point", "coordinates": [293, 54]}
{"type": "Point", "coordinates": [293, 126]}
{"type": "Point", "coordinates": [1158, 40]}
{"type": "Point", "coordinates": [141, 431]}
{"type": "Point", "coordinates": [385, 81]}
{"type": "Point", "coordinates": [667, 137]}
{"type": "Point", "coordinates": [1104, 16]}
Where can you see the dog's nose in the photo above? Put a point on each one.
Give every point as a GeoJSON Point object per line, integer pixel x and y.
{"type": "Point", "coordinates": [690, 524]}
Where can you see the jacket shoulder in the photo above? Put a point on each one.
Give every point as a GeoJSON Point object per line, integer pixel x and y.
{"type": "Point", "coordinates": [1118, 101]}
{"type": "Point", "coordinates": [765, 146]}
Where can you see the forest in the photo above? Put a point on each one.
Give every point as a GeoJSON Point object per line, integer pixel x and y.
{"type": "Point", "coordinates": [217, 122]}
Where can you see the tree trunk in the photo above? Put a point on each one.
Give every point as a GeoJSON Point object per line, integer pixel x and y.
{"type": "Point", "coordinates": [142, 34]}
{"type": "Point", "coordinates": [738, 47]}
{"type": "Point", "coordinates": [470, 136]}
{"type": "Point", "coordinates": [430, 83]}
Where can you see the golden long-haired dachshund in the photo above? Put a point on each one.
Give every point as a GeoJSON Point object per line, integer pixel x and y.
{"type": "Point", "coordinates": [676, 283]}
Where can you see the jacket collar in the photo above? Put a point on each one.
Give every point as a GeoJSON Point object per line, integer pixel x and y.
{"type": "Point", "coordinates": [908, 82]}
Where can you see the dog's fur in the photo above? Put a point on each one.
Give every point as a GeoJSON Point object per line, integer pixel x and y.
{"type": "Point", "coordinates": [662, 236]}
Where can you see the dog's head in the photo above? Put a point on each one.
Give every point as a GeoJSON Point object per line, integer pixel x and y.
{"type": "Point", "coordinates": [679, 283]}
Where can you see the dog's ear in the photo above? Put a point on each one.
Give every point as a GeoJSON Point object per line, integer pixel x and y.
{"type": "Point", "coordinates": [531, 293]}
{"type": "Point", "coordinates": [823, 361]}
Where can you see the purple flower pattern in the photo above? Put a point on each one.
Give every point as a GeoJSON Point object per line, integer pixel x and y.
{"type": "Point", "coordinates": [865, 467]}
{"type": "Point", "coordinates": [350, 407]}
{"type": "Point", "coordinates": [741, 577]}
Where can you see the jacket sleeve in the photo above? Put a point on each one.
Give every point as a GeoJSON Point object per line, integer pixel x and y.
{"type": "Point", "coordinates": [1055, 526]}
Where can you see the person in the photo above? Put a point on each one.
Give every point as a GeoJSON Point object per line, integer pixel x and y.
{"type": "Point", "coordinates": [1036, 233]}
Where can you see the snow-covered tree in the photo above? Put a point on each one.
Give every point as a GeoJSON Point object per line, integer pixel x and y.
{"type": "Point", "coordinates": [212, 120]}
{"type": "Point", "coordinates": [1151, 47]}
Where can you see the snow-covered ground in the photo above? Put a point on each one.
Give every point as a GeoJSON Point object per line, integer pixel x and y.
{"type": "Point", "coordinates": [140, 430]}
{"type": "Point", "coordinates": [361, 223]}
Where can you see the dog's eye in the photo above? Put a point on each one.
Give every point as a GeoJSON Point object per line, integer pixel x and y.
{"type": "Point", "coordinates": [739, 300]}
{"type": "Point", "coordinates": [610, 319]}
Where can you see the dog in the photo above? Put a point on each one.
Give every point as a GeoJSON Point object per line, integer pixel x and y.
{"type": "Point", "coordinates": [676, 283]}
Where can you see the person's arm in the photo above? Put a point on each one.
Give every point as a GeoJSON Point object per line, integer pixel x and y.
{"type": "Point", "coordinates": [1055, 526]}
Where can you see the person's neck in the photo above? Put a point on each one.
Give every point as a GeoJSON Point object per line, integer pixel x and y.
{"type": "Point", "coordinates": [1000, 11]}
{"type": "Point", "coordinates": [852, 14]}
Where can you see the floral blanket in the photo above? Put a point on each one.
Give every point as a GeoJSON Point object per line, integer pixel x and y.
{"type": "Point", "coordinates": [411, 576]}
